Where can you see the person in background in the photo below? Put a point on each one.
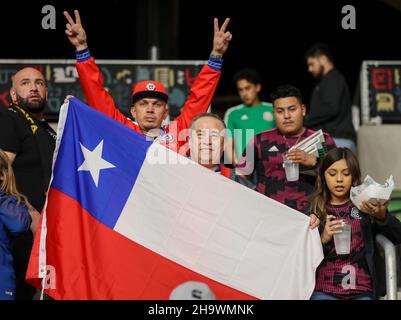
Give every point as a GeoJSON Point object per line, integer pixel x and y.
{"type": "Point", "coordinates": [330, 104]}
{"type": "Point", "coordinates": [253, 114]}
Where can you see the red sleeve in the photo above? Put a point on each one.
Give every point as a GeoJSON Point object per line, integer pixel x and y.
{"type": "Point", "coordinates": [226, 172]}
{"type": "Point", "coordinates": [200, 97]}
{"type": "Point", "coordinates": [96, 95]}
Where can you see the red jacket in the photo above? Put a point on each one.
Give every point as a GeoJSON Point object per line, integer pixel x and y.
{"type": "Point", "coordinates": [226, 172]}
{"type": "Point", "coordinates": [200, 97]}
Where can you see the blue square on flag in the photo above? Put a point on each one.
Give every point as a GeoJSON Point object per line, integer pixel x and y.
{"type": "Point", "coordinates": [105, 157]}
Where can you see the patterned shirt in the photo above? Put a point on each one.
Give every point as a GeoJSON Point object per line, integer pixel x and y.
{"type": "Point", "coordinates": [345, 276]}
{"type": "Point", "coordinates": [268, 148]}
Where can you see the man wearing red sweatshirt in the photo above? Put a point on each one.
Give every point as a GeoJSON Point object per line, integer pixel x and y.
{"type": "Point", "coordinates": [149, 98]}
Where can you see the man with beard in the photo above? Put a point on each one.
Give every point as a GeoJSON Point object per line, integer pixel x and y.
{"type": "Point", "coordinates": [330, 105]}
{"type": "Point", "coordinates": [29, 143]}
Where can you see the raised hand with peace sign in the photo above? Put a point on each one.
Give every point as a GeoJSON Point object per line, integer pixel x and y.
{"type": "Point", "coordinates": [221, 38]}
{"type": "Point", "coordinates": [77, 36]}
{"type": "Point", "coordinates": [75, 32]}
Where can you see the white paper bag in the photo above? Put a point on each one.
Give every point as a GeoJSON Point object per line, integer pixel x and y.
{"type": "Point", "coordinates": [372, 191]}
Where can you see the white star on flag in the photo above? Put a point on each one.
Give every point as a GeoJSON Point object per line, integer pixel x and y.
{"type": "Point", "coordinates": [94, 162]}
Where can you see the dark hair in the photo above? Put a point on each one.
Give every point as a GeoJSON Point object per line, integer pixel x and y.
{"type": "Point", "coordinates": [207, 115]}
{"type": "Point", "coordinates": [249, 75]}
{"type": "Point", "coordinates": [318, 50]}
{"type": "Point", "coordinates": [286, 91]}
{"type": "Point", "coordinates": [321, 196]}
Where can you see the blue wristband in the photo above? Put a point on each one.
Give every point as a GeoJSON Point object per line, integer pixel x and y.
{"type": "Point", "coordinates": [82, 55]}
{"type": "Point", "coordinates": [215, 63]}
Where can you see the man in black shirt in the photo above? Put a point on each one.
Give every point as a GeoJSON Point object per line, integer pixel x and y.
{"type": "Point", "coordinates": [330, 105]}
{"type": "Point", "coordinates": [29, 142]}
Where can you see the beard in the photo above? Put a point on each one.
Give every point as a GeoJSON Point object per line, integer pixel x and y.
{"type": "Point", "coordinates": [32, 107]}
{"type": "Point", "coordinates": [320, 73]}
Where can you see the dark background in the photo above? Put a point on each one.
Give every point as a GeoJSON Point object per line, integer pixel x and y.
{"type": "Point", "coordinates": [270, 36]}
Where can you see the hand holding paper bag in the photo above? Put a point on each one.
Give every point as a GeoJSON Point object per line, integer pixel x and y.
{"type": "Point", "coordinates": [372, 192]}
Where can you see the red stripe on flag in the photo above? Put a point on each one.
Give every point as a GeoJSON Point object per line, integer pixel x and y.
{"type": "Point", "coordinates": [94, 262]}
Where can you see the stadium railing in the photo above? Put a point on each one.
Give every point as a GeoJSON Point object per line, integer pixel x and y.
{"type": "Point", "coordinates": [390, 258]}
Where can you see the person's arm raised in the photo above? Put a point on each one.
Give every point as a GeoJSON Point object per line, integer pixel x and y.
{"type": "Point", "coordinates": [221, 38]}
{"type": "Point", "coordinates": [89, 73]}
{"type": "Point", "coordinates": [75, 31]}
{"type": "Point", "coordinates": [204, 87]}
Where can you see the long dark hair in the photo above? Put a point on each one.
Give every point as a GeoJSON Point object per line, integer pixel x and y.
{"type": "Point", "coordinates": [321, 196]}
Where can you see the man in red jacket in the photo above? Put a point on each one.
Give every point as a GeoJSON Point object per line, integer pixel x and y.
{"type": "Point", "coordinates": [149, 99]}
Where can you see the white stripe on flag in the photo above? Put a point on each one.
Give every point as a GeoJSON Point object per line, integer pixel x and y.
{"type": "Point", "coordinates": [42, 267]}
{"type": "Point", "coordinates": [221, 229]}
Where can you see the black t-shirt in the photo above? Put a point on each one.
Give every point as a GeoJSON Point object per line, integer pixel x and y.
{"type": "Point", "coordinates": [32, 165]}
{"type": "Point", "coordinates": [330, 107]}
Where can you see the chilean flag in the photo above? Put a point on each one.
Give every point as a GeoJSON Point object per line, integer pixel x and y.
{"type": "Point", "coordinates": [126, 218]}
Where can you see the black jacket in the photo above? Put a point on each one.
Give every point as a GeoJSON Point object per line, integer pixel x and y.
{"type": "Point", "coordinates": [34, 154]}
{"type": "Point", "coordinates": [330, 107]}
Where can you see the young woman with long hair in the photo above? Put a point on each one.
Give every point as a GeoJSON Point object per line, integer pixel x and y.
{"type": "Point", "coordinates": [353, 275]}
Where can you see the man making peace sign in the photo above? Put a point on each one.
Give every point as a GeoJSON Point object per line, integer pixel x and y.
{"type": "Point", "coordinates": [149, 98]}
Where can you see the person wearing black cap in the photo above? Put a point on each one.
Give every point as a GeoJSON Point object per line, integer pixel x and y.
{"type": "Point", "coordinates": [149, 99]}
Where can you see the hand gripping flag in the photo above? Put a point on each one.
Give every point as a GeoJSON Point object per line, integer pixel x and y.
{"type": "Point", "coordinates": [126, 218]}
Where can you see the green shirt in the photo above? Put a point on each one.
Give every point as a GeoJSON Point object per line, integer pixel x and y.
{"type": "Point", "coordinates": [256, 118]}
